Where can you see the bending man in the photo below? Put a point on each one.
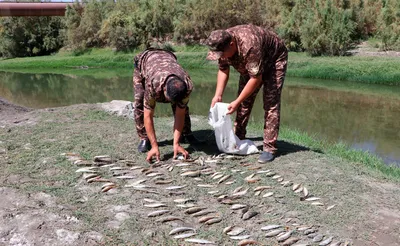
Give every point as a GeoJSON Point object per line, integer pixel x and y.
{"type": "Point", "coordinates": [260, 57]}
{"type": "Point", "coordinates": [159, 78]}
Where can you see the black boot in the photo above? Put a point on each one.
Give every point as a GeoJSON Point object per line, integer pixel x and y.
{"type": "Point", "coordinates": [144, 146]}
{"type": "Point", "coordinates": [266, 157]}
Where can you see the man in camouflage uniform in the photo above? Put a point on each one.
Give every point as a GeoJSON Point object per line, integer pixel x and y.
{"type": "Point", "coordinates": [260, 57]}
{"type": "Point", "coordinates": [159, 78]}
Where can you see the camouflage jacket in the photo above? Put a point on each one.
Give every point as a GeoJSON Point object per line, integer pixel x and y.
{"type": "Point", "coordinates": [152, 68]}
{"type": "Point", "coordinates": [257, 50]}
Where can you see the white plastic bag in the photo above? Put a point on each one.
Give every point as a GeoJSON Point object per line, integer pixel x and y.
{"type": "Point", "coordinates": [226, 139]}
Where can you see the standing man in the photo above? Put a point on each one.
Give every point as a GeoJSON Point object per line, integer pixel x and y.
{"type": "Point", "coordinates": [260, 57]}
{"type": "Point", "coordinates": [159, 78]}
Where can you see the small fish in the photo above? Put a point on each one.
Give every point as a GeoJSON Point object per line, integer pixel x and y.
{"type": "Point", "coordinates": [318, 238]}
{"type": "Point", "coordinates": [286, 183]}
{"type": "Point", "coordinates": [237, 189]}
{"type": "Point", "coordinates": [218, 176]}
{"type": "Point", "coordinates": [161, 182]}
{"type": "Point", "coordinates": [151, 200]}
{"type": "Point", "coordinates": [284, 236]}
{"type": "Point", "coordinates": [247, 242]}
{"type": "Point", "coordinates": [317, 204]}
{"type": "Point", "coordinates": [86, 170]}
{"type": "Point", "coordinates": [107, 184]}
{"type": "Point", "coordinates": [183, 200]}
{"type": "Point", "coordinates": [185, 235]}
{"type": "Point", "coordinates": [295, 187]}
{"type": "Point", "coordinates": [198, 240]}
{"type": "Point", "coordinates": [228, 229]}
{"type": "Point", "coordinates": [157, 213]}
{"type": "Point", "coordinates": [183, 164]}
{"type": "Point", "coordinates": [239, 194]}
{"type": "Point", "coordinates": [171, 168]}
{"type": "Point", "coordinates": [193, 210]}
{"type": "Point", "coordinates": [254, 180]}
{"type": "Point", "coordinates": [238, 206]}
{"type": "Point", "coordinates": [206, 185]}
{"type": "Point", "coordinates": [168, 218]}
{"type": "Point", "coordinates": [337, 243]}
{"type": "Point", "coordinates": [303, 228]}
{"type": "Point", "coordinates": [290, 241]}
{"type": "Point", "coordinates": [279, 179]}
{"type": "Point", "coordinates": [224, 178]}
{"type": "Point", "coordinates": [268, 194]}
{"type": "Point", "coordinates": [300, 189]}
{"type": "Point", "coordinates": [276, 176]}
{"type": "Point", "coordinates": [326, 241]}
{"type": "Point", "coordinates": [330, 207]}
{"type": "Point", "coordinates": [115, 168]}
{"type": "Point", "coordinates": [250, 176]}
{"type": "Point", "coordinates": [213, 221]}
{"type": "Point", "coordinates": [239, 237]}
{"type": "Point", "coordinates": [270, 227]}
{"type": "Point", "coordinates": [257, 193]}
{"type": "Point", "coordinates": [136, 167]}
{"type": "Point", "coordinates": [305, 192]}
{"type": "Point", "coordinates": [274, 233]}
{"type": "Point", "coordinates": [198, 179]}
{"type": "Point", "coordinates": [191, 174]}
{"type": "Point", "coordinates": [270, 174]}
{"type": "Point", "coordinates": [309, 231]}
{"type": "Point", "coordinates": [181, 229]}
{"type": "Point", "coordinates": [187, 205]}
{"type": "Point", "coordinates": [107, 188]}
{"type": "Point", "coordinates": [236, 231]}
{"type": "Point", "coordinates": [261, 188]}
{"type": "Point", "coordinates": [249, 214]}
{"type": "Point", "coordinates": [206, 218]}
{"type": "Point", "coordinates": [313, 198]}
{"type": "Point", "coordinates": [155, 205]}
{"type": "Point", "coordinates": [230, 182]}
{"type": "Point", "coordinates": [203, 212]}
{"type": "Point", "coordinates": [89, 175]}
{"type": "Point", "coordinates": [213, 192]}
{"type": "Point", "coordinates": [154, 174]}
{"type": "Point", "coordinates": [263, 171]}
{"type": "Point", "coordinates": [126, 177]}
{"type": "Point", "coordinates": [175, 187]}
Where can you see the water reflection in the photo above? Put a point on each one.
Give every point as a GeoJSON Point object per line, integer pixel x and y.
{"type": "Point", "coordinates": [367, 121]}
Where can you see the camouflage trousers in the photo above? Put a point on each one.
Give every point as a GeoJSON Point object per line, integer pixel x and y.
{"type": "Point", "coordinates": [273, 79]}
{"type": "Point", "coordinates": [139, 113]}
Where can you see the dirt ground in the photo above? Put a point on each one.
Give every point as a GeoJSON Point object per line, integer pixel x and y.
{"type": "Point", "coordinates": [45, 201]}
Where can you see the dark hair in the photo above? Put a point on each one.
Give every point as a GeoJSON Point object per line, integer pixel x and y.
{"type": "Point", "coordinates": [176, 88]}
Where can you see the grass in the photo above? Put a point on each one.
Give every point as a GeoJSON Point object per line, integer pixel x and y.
{"type": "Point", "coordinates": [374, 70]}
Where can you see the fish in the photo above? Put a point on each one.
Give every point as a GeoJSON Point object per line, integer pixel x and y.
{"type": "Point", "coordinates": [218, 176]}
{"type": "Point", "coordinates": [185, 235]}
{"type": "Point", "coordinates": [213, 192]}
{"type": "Point", "coordinates": [300, 189]}
{"type": "Point", "coordinates": [206, 185]}
{"type": "Point", "coordinates": [115, 168]}
{"type": "Point", "coordinates": [154, 174]}
{"type": "Point", "coordinates": [303, 228]}
{"type": "Point", "coordinates": [224, 178]}
{"type": "Point", "coordinates": [337, 243]}
{"type": "Point", "coordinates": [198, 240]}
{"type": "Point", "coordinates": [107, 188]}
{"type": "Point", "coordinates": [203, 212]}
{"type": "Point", "coordinates": [260, 188]}
{"type": "Point", "coordinates": [326, 241]}
{"type": "Point", "coordinates": [330, 207]}
{"type": "Point", "coordinates": [157, 213]}
{"type": "Point", "coordinates": [213, 221]}
{"type": "Point", "coordinates": [171, 168]}
{"type": "Point", "coordinates": [239, 237]}
{"type": "Point", "coordinates": [268, 194]}
{"type": "Point", "coordinates": [274, 233]}
{"type": "Point", "coordinates": [183, 164]}
{"type": "Point", "coordinates": [279, 179]}
{"type": "Point", "coordinates": [317, 204]}
{"type": "Point", "coordinates": [175, 187]}
{"type": "Point", "coordinates": [168, 218]}
{"type": "Point", "coordinates": [295, 187]}
{"type": "Point", "coordinates": [310, 231]}
{"type": "Point", "coordinates": [290, 241]}
{"type": "Point", "coordinates": [238, 206]}
{"type": "Point", "coordinates": [183, 200]}
{"type": "Point", "coordinates": [230, 182]}
{"type": "Point", "coordinates": [187, 205]}
{"type": "Point", "coordinates": [126, 177]}
{"type": "Point", "coordinates": [89, 175]}
{"type": "Point", "coordinates": [215, 174]}
{"type": "Point", "coordinates": [286, 183]}
{"type": "Point", "coordinates": [228, 229]}
{"type": "Point", "coordinates": [263, 171]}
{"type": "Point", "coordinates": [250, 176]}
{"type": "Point", "coordinates": [237, 189]}
{"type": "Point", "coordinates": [239, 194]}
{"type": "Point", "coordinates": [181, 229]}
{"type": "Point", "coordinates": [249, 214]}
{"type": "Point", "coordinates": [305, 192]}
{"type": "Point", "coordinates": [86, 170]}
{"type": "Point", "coordinates": [150, 200]}
{"type": "Point", "coordinates": [155, 205]}
{"type": "Point", "coordinates": [206, 218]}
{"type": "Point", "coordinates": [247, 242]}
{"type": "Point", "coordinates": [313, 198]}
{"type": "Point", "coordinates": [254, 180]}
{"type": "Point", "coordinates": [318, 238]}
{"type": "Point", "coordinates": [193, 210]}
{"type": "Point", "coordinates": [236, 231]}
{"type": "Point", "coordinates": [107, 184]}
{"type": "Point", "coordinates": [191, 174]}
{"type": "Point", "coordinates": [161, 182]}
{"type": "Point", "coordinates": [270, 227]}
{"type": "Point", "coordinates": [257, 193]}
{"type": "Point", "coordinates": [284, 236]}
{"type": "Point", "coordinates": [270, 174]}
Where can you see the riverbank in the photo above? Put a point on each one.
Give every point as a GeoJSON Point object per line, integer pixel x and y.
{"type": "Point", "coordinates": [39, 171]}
{"type": "Point", "coordinates": [378, 69]}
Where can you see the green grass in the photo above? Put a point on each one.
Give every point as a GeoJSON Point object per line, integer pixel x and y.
{"type": "Point", "coordinates": [341, 150]}
{"type": "Point", "coordinates": [375, 70]}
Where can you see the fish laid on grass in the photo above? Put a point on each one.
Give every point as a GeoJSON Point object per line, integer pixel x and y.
{"type": "Point", "coordinates": [295, 187]}
{"type": "Point", "coordinates": [330, 207]}
{"type": "Point", "coordinates": [261, 188]}
{"type": "Point", "coordinates": [224, 178]}
{"type": "Point", "coordinates": [313, 198]}
{"type": "Point", "coordinates": [249, 214]}
{"type": "Point", "coordinates": [317, 204]}
{"type": "Point", "coordinates": [270, 227]}
{"type": "Point", "coordinates": [247, 242]}
{"type": "Point", "coordinates": [206, 218]}
{"type": "Point", "coordinates": [198, 240]}
{"type": "Point", "coordinates": [318, 238]}
{"type": "Point", "coordinates": [238, 206]}
{"type": "Point", "coordinates": [168, 218]}
{"type": "Point", "coordinates": [240, 237]}
{"type": "Point", "coordinates": [193, 210]}
{"type": "Point", "coordinates": [157, 213]}
{"type": "Point", "coordinates": [86, 170]}
{"type": "Point", "coordinates": [268, 194]}
{"type": "Point", "coordinates": [155, 205]}
{"type": "Point", "coordinates": [183, 200]}
{"type": "Point", "coordinates": [284, 236]}
{"type": "Point", "coordinates": [291, 241]}
{"type": "Point", "coordinates": [181, 229]}
{"type": "Point", "coordinates": [185, 235]}
{"type": "Point", "coordinates": [191, 173]}
{"type": "Point", "coordinates": [274, 233]}
{"type": "Point", "coordinates": [175, 187]}
{"type": "Point", "coordinates": [326, 241]}
{"type": "Point", "coordinates": [305, 192]}
{"type": "Point", "coordinates": [236, 231]}
{"type": "Point", "coordinates": [203, 212]}
{"type": "Point", "coordinates": [213, 221]}
{"type": "Point", "coordinates": [161, 182]}
{"type": "Point", "coordinates": [206, 185]}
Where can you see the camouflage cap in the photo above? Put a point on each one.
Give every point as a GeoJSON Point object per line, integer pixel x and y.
{"type": "Point", "coordinates": [216, 42]}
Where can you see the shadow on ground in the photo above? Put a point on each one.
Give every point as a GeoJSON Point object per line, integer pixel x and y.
{"type": "Point", "coordinates": [209, 146]}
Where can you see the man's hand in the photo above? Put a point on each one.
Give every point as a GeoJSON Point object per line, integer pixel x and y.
{"type": "Point", "coordinates": [179, 149]}
{"type": "Point", "coordinates": [215, 100]}
{"type": "Point", "coordinates": [153, 152]}
{"type": "Point", "coordinates": [232, 107]}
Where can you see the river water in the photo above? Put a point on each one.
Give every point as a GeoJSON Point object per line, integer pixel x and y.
{"type": "Point", "coordinates": [363, 116]}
